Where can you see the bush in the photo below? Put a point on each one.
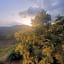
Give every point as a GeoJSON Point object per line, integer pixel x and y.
{"type": "Point", "coordinates": [15, 56]}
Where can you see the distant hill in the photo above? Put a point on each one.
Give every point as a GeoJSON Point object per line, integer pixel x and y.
{"type": "Point", "coordinates": [6, 35]}
{"type": "Point", "coordinates": [12, 29]}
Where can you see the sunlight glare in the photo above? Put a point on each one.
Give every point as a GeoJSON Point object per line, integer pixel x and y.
{"type": "Point", "coordinates": [27, 21]}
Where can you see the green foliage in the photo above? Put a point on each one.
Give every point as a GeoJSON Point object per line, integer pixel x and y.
{"type": "Point", "coordinates": [15, 56]}
{"type": "Point", "coordinates": [60, 20]}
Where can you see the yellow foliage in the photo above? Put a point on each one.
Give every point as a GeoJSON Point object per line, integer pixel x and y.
{"type": "Point", "coordinates": [19, 48]}
{"type": "Point", "coordinates": [63, 47]}
{"type": "Point", "coordinates": [47, 51]}
{"type": "Point", "coordinates": [43, 61]}
{"type": "Point", "coordinates": [18, 36]}
{"type": "Point", "coordinates": [59, 57]}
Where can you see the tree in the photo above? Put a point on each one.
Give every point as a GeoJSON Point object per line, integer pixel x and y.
{"type": "Point", "coordinates": [60, 20]}
{"type": "Point", "coordinates": [41, 22]}
{"type": "Point", "coordinates": [41, 18]}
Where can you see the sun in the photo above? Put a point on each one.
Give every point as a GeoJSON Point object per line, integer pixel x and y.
{"type": "Point", "coordinates": [27, 21]}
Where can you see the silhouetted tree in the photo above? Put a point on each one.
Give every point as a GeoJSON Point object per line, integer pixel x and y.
{"type": "Point", "coordinates": [41, 18]}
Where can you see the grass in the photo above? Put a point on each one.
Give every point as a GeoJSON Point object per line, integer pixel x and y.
{"type": "Point", "coordinates": [6, 51]}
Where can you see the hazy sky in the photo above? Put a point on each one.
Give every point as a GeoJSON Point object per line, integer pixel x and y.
{"type": "Point", "coordinates": [9, 9]}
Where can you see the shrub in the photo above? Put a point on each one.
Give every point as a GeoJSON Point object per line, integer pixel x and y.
{"type": "Point", "coordinates": [15, 56]}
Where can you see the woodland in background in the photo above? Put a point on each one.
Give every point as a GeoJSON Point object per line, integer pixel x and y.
{"type": "Point", "coordinates": [42, 43]}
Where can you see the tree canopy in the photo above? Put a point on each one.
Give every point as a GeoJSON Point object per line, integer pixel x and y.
{"type": "Point", "coordinates": [41, 18]}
